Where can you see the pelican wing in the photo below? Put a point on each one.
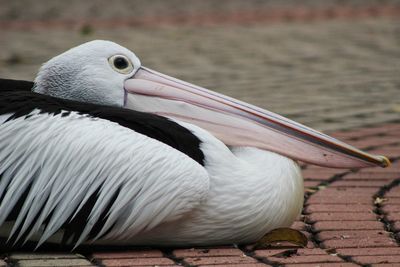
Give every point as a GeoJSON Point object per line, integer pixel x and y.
{"type": "Point", "coordinates": [15, 85]}
{"type": "Point", "coordinates": [89, 178]}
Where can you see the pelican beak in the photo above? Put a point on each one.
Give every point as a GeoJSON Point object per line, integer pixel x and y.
{"type": "Point", "coordinates": [237, 123]}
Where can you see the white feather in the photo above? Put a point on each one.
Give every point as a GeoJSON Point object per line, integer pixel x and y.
{"type": "Point", "coordinates": [4, 117]}
{"type": "Point", "coordinates": [252, 191]}
{"type": "Point", "coordinates": [66, 159]}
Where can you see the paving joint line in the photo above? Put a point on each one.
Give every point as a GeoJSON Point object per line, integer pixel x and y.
{"type": "Point", "coordinates": [264, 260]}
{"type": "Point", "coordinates": [168, 253]}
{"type": "Point", "coordinates": [9, 262]}
{"type": "Point", "coordinates": [347, 258]}
{"type": "Point", "coordinates": [382, 215]}
{"type": "Point", "coordinates": [92, 260]}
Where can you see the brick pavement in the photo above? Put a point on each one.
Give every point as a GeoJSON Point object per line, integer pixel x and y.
{"type": "Point", "coordinates": [47, 10]}
{"type": "Point", "coordinates": [328, 75]}
{"type": "Point", "coordinates": [335, 75]}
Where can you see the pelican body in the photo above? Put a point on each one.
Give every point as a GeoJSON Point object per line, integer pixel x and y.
{"type": "Point", "coordinates": [106, 151]}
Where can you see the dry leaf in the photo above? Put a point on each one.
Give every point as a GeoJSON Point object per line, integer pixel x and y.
{"type": "Point", "coordinates": [280, 235]}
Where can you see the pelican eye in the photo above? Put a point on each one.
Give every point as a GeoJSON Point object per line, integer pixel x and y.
{"type": "Point", "coordinates": [121, 64]}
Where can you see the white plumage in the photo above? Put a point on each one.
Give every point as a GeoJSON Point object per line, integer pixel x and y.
{"type": "Point", "coordinates": [67, 159]}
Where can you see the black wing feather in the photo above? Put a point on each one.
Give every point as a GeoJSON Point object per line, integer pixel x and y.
{"type": "Point", "coordinates": [21, 101]}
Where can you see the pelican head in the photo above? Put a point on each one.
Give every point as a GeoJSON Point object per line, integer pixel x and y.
{"type": "Point", "coordinates": [94, 72]}
{"type": "Point", "coordinates": [106, 73]}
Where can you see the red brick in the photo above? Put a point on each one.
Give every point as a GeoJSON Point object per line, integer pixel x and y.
{"type": "Point", "coordinates": [345, 135]}
{"type": "Point", "coordinates": [128, 254]}
{"type": "Point", "coordinates": [339, 199]}
{"type": "Point", "coordinates": [137, 262]}
{"type": "Point", "coordinates": [181, 253]}
{"type": "Point", "coordinates": [396, 188]}
{"type": "Point", "coordinates": [390, 208]}
{"type": "Point", "coordinates": [41, 255]}
{"type": "Point", "coordinates": [321, 175]}
{"type": "Point", "coordinates": [374, 141]}
{"type": "Point", "coordinates": [310, 244]}
{"type": "Point", "coordinates": [395, 166]}
{"type": "Point", "coordinates": [395, 126]}
{"type": "Point", "coordinates": [369, 251]}
{"type": "Point", "coordinates": [54, 262]}
{"type": "Point", "coordinates": [341, 216]}
{"type": "Point", "coordinates": [329, 191]}
{"type": "Point", "coordinates": [385, 265]}
{"type": "Point", "coordinates": [298, 225]}
{"type": "Point", "coordinates": [240, 265]}
{"type": "Point", "coordinates": [394, 216]}
{"type": "Point", "coordinates": [288, 245]}
{"type": "Point", "coordinates": [377, 259]}
{"type": "Point", "coordinates": [338, 207]}
{"type": "Point", "coordinates": [392, 200]}
{"type": "Point", "coordinates": [325, 169]}
{"type": "Point", "coordinates": [219, 260]}
{"type": "Point", "coordinates": [392, 146]}
{"type": "Point", "coordinates": [360, 243]}
{"type": "Point", "coordinates": [306, 259]}
{"type": "Point", "coordinates": [351, 234]}
{"type": "Point", "coordinates": [342, 264]}
{"type": "Point", "coordinates": [396, 226]}
{"type": "Point", "coordinates": [311, 184]}
{"type": "Point", "coordinates": [394, 192]}
{"type": "Point", "coordinates": [266, 253]}
{"type": "Point", "coordinates": [391, 169]}
{"type": "Point", "coordinates": [372, 176]}
{"type": "Point", "coordinates": [313, 251]}
{"type": "Point", "coordinates": [356, 183]}
{"type": "Point", "coordinates": [390, 152]}
{"type": "Point", "coordinates": [364, 132]}
{"type": "Point", "coordinates": [349, 225]}
{"type": "Point", "coordinates": [394, 130]}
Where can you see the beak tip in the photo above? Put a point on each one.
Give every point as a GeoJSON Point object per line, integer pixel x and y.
{"type": "Point", "coordinates": [385, 162]}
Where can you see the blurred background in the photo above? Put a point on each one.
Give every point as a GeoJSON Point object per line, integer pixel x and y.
{"type": "Point", "coordinates": [329, 64]}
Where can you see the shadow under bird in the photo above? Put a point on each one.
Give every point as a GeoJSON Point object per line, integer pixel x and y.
{"type": "Point", "coordinates": [106, 151]}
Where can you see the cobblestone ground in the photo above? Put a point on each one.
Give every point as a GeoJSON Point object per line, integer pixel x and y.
{"type": "Point", "coordinates": [121, 9]}
{"type": "Point", "coordinates": [339, 75]}
{"type": "Point", "coordinates": [329, 75]}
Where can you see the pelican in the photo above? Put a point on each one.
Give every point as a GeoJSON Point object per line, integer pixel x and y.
{"type": "Point", "coordinates": [106, 151]}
